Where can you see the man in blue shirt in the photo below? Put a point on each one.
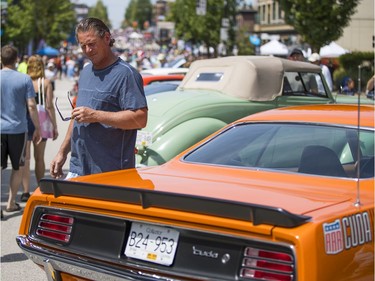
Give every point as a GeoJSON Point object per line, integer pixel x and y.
{"type": "Point", "coordinates": [17, 96]}
{"type": "Point", "coordinates": [110, 107]}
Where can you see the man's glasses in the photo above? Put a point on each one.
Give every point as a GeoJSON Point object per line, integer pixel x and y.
{"type": "Point", "coordinates": [58, 110]}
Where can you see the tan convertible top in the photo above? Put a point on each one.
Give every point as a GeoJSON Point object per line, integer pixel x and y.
{"type": "Point", "coordinates": [255, 78]}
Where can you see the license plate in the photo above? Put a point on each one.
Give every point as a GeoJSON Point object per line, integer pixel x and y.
{"type": "Point", "coordinates": [143, 138]}
{"type": "Point", "coordinates": [152, 243]}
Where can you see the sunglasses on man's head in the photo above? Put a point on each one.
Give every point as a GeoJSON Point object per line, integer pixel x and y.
{"type": "Point", "coordinates": [58, 110]}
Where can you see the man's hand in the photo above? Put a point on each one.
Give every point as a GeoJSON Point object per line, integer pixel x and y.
{"type": "Point", "coordinates": [84, 115]}
{"type": "Point", "coordinates": [56, 166]}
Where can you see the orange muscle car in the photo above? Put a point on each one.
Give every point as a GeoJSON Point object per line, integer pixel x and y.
{"type": "Point", "coordinates": [286, 194]}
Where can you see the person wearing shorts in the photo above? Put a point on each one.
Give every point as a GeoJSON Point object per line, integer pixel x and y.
{"type": "Point", "coordinates": [17, 96]}
{"type": "Point", "coordinates": [26, 168]}
{"type": "Point", "coordinates": [13, 147]}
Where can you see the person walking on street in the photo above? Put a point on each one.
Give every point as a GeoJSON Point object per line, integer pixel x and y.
{"type": "Point", "coordinates": [111, 106]}
{"type": "Point", "coordinates": [310, 82]}
{"type": "Point", "coordinates": [51, 74]}
{"type": "Point", "coordinates": [22, 67]}
{"type": "Point", "coordinates": [36, 71]}
{"type": "Point", "coordinates": [296, 55]}
{"type": "Point", "coordinates": [17, 96]}
{"type": "Point", "coordinates": [347, 86]}
{"type": "Point", "coordinates": [315, 59]}
{"type": "Point", "coordinates": [370, 85]}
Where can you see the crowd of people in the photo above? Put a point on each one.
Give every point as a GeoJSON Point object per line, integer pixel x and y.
{"type": "Point", "coordinates": [17, 100]}
{"type": "Point", "coordinates": [14, 114]}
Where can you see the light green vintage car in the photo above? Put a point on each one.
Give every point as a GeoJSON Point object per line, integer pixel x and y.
{"type": "Point", "coordinates": [218, 91]}
{"type": "Point", "coordinates": [339, 98]}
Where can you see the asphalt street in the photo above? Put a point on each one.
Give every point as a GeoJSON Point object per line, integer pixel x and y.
{"type": "Point", "coordinates": [14, 264]}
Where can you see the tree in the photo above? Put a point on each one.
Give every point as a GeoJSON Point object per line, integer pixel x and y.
{"type": "Point", "coordinates": [100, 11]}
{"type": "Point", "coordinates": [244, 46]}
{"type": "Point", "coordinates": [34, 21]}
{"type": "Point", "coordinates": [139, 12]}
{"type": "Point", "coordinates": [319, 21]}
{"type": "Point", "coordinates": [130, 13]}
{"type": "Point", "coordinates": [230, 13]}
{"type": "Point", "coordinates": [195, 28]}
{"type": "Point", "coordinates": [205, 28]}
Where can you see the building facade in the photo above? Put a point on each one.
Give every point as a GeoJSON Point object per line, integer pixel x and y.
{"type": "Point", "coordinates": [357, 36]}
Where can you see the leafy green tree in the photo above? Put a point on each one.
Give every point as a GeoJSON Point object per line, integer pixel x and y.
{"type": "Point", "coordinates": [319, 21]}
{"type": "Point", "coordinates": [139, 12]}
{"type": "Point", "coordinates": [230, 13]}
{"type": "Point", "coordinates": [205, 28]}
{"type": "Point", "coordinates": [100, 11]}
{"type": "Point", "coordinates": [244, 46]}
{"type": "Point", "coordinates": [198, 28]}
{"type": "Point", "coordinates": [33, 21]}
{"type": "Point", "coordinates": [130, 13]}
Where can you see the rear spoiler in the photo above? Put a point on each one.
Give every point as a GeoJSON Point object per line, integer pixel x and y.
{"type": "Point", "coordinates": [257, 214]}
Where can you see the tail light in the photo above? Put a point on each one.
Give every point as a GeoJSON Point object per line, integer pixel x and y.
{"type": "Point", "coordinates": [258, 264]}
{"type": "Point", "coordinates": [55, 227]}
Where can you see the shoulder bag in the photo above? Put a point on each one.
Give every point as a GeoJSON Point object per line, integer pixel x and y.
{"type": "Point", "coordinates": [46, 126]}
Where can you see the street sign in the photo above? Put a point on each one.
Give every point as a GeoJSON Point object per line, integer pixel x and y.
{"type": "Point", "coordinates": [224, 22]}
{"type": "Point", "coordinates": [201, 7]}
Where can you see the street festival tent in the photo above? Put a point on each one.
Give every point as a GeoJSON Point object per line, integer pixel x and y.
{"type": "Point", "coordinates": [332, 50]}
{"type": "Point", "coordinates": [274, 47]}
{"type": "Point", "coordinates": [48, 51]}
{"type": "Point", "coordinates": [135, 35]}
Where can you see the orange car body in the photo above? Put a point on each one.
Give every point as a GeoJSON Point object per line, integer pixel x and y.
{"type": "Point", "coordinates": [325, 223]}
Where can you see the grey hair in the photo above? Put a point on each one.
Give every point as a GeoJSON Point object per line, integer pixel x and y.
{"type": "Point", "coordinates": [95, 24]}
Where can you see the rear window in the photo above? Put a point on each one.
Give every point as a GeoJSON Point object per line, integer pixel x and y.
{"type": "Point", "coordinates": [209, 76]}
{"type": "Point", "coordinates": [312, 149]}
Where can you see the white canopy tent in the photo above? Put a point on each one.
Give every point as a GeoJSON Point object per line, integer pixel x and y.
{"type": "Point", "coordinates": [274, 47]}
{"type": "Point", "coordinates": [135, 35]}
{"type": "Point", "coordinates": [333, 50]}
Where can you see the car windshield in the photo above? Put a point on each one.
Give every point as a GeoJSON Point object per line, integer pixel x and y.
{"type": "Point", "coordinates": [303, 83]}
{"type": "Point", "coordinates": [178, 62]}
{"type": "Point", "coordinates": [310, 149]}
{"type": "Point", "coordinates": [159, 87]}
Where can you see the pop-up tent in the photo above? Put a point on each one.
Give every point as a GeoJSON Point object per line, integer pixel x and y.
{"type": "Point", "coordinates": [48, 51]}
{"type": "Point", "coordinates": [333, 50]}
{"type": "Point", "coordinates": [274, 47]}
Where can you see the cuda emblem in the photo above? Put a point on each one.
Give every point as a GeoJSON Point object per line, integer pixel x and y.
{"type": "Point", "coordinates": [349, 232]}
{"type": "Point", "coordinates": [203, 253]}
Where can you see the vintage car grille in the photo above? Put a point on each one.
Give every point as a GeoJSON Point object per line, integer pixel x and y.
{"type": "Point", "coordinates": [199, 255]}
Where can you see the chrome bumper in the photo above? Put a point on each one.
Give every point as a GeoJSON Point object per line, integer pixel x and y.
{"type": "Point", "coordinates": [55, 262]}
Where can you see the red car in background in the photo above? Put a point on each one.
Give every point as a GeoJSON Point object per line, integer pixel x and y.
{"type": "Point", "coordinates": [149, 79]}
